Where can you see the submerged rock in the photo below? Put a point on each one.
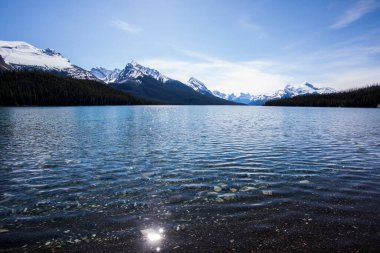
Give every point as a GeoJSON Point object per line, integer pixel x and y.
{"type": "Point", "coordinates": [223, 185]}
{"type": "Point", "coordinates": [229, 196]}
{"type": "Point", "coordinates": [267, 192]}
{"type": "Point", "coordinates": [233, 189]}
{"type": "Point", "coordinates": [177, 198]}
{"type": "Point", "coordinates": [180, 227]}
{"type": "Point", "coordinates": [219, 200]}
{"type": "Point", "coordinates": [3, 230]}
{"type": "Point", "coordinates": [247, 188]}
{"type": "Point", "coordinates": [304, 182]}
{"type": "Point", "coordinates": [217, 188]}
{"type": "Point", "coordinates": [148, 174]}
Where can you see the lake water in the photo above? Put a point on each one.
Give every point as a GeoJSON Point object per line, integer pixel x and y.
{"type": "Point", "coordinates": [189, 178]}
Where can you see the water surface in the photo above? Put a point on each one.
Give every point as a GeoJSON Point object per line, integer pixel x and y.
{"type": "Point", "coordinates": [189, 178]}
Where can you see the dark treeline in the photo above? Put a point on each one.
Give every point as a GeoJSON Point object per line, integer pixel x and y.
{"type": "Point", "coordinates": [363, 97]}
{"type": "Point", "coordinates": [42, 88]}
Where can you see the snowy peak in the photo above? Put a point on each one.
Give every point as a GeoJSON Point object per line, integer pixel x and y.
{"type": "Point", "coordinates": [243, 98]}
{"type": "Point", "coordinates": [148, 71]}
{"type": "Point", "coordinates": [23, 56]}
{"type": "Point", "coordinates": [107, 76]}
{"type": "Point", "coordinates": [303, 89]}
{"type": "Point", "coordinates": [134, 70]}
{"type": "Point", "coordinates": [292, 91]}
{"type": "Point", "coordinates": [51, 52]}
{"type": "Point", "coordinates": [198, 86]}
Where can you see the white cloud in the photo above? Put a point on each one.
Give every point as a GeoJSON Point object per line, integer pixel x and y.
{"type": "Point", "coordinates": [249, 25]}
{"type": "Point", "coordinates": [354, 78]}
{"type": "Point", "coordinates": [355, 12]}
{"type": "Point", "coordinates": [342, 66]}
{"type": "Point", "coordinates": [333, 58]}
{"type": "Point", "coordinates": [246, 23]}
{"type": "Point", "coordinates": [223, 75]}
{"type": "Point", "coordinates": [124, 26]}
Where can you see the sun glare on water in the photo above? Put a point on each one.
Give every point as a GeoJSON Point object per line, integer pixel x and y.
{"type": "Point", "coordinates": [153, 236]}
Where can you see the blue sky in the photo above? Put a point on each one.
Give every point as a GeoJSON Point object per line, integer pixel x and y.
{"type": "Point", "coordinates": [233, 46]}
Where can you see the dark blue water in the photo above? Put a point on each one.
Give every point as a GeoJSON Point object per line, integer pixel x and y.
{"type": "Point", "coordinates": [189, 178]}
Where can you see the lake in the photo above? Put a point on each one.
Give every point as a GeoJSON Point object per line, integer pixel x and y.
{"type": "Point", "coordinates": [189, 179]}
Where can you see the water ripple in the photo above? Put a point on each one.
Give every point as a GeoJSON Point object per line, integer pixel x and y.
{"type": "Point", "coordinates": [254, 175]}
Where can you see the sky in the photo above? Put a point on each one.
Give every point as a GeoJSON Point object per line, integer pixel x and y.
{"type": "Point", "coordinates": [255, 46]}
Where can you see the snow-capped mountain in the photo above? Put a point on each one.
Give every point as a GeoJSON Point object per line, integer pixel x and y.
{"type": "Point", "coordinates": [291, 91]}
{"type": "Point", "coordinates": [260, 99]}
{"type": "Point", "coordinates": [150, 84]}
{"type": "Point", "coordinates": [288, 91]}
{"type": "Point", "coordinates": [243, 98]}
{"type": "Point", "coordinates": [134, 70]}
{"type": "Point", "coordinates": [305, 88]}
{"type": "Point", "coordinates": [107, 76]}
{"type": "Point", "coordinates": [198, 86]}
{"type": "Point", "coordinates": [23, 56]}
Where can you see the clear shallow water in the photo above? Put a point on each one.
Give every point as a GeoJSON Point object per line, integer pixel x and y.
{"type": "Point", "coordinates": [212, 178]}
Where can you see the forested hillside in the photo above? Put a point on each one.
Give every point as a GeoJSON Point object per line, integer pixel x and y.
{"type": "Point", "coordinates": [363, 97]}
{"type": "Point", "coordinates": [42, 88]}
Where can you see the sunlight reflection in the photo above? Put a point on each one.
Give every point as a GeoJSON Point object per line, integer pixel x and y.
{"type": "Point", "coordinates": [153, 235]}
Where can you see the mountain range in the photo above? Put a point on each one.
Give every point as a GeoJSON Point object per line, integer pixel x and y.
{"type": "Point", "coordinates": [137, 80]}
{"type": "Point", "coordinates": [150, 84]}
{"type": "Point", "coordinates": [287, 92]}
{"type": "Point", "coordinates": [246, 98]}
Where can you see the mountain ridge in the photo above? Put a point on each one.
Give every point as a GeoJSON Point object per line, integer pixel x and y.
{"type": "Point", "coordinates": [198, 86]}
{"type": "Point", "coordinates": [105, 75]}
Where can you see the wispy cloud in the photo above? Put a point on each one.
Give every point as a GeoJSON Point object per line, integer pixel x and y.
{"type": "Point", "coordinates": [353, 78]}
{"type": "Point", "coordinates": [223, 75]}
{"type": "Point", "coordinates": [246, 23]}
{"type": "Point", "coordinates": [250, 25]}
{"type": "Point", "coordinates": [341, 66]}
{"type": "Point", "coordinates": [124, 26]}
{"type": "Point", "coordinates": [355, 12]}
